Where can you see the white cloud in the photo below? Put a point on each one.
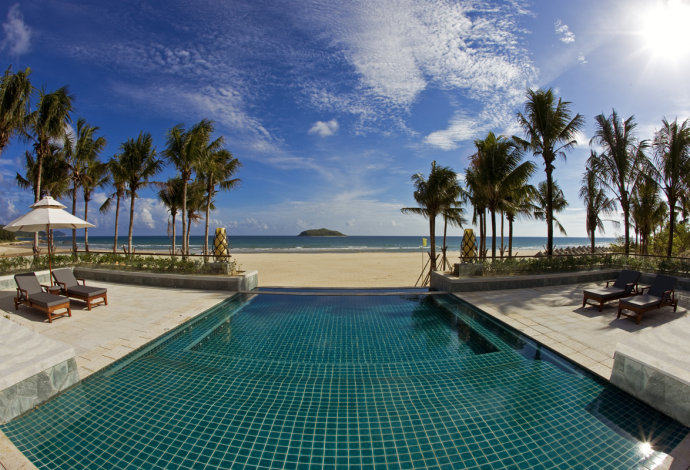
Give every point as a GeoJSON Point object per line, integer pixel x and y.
{"type": "Point", "coordinates": [17, 38]}
{"type": "Point", "coordinates": [582, 59]}
{"type": "Point", "coordinates": [460, 128]}
{"type": "Point", "coordinates": [324, 128]}
{"type": "Point", "coordinates": [563, 32]}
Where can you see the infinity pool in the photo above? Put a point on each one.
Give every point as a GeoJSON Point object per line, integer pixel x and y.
{"type": "Point", "coordinates": [373, 381]}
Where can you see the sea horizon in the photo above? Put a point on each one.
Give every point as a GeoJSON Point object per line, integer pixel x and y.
{"type": "Point", "coordinates": [325, 244]}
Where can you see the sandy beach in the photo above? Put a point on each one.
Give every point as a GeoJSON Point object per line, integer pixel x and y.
{"type": "Point", "coordinates": [370, 269]}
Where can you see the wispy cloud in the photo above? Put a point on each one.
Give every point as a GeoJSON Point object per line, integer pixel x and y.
{"type": "Point", "coordinates": [17, 38]}
{"type": "Point", "coordinates": [563, 32]}
{"type": "Point", "coordinates": [325, 128]}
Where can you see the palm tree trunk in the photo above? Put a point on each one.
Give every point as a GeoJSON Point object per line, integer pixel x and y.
{"type": "Point", "coordinates": [74, 212]}
{"type": "Point", "coordinates": [445, 230]}
{"type": "Point", "coordinates": [189, 227]}
{"type": "Point", "coordinates": [592, 243]}
{"type": "Point", "coordinates": [626, 223]}
{"type": "Point", "coordinates": [86, 218]}
{"type": "Point", "coordinates": [184, 215]}
{"type": "Point", "coordinates": [37, 196]}
{"type": "Point", "coordinates": [493, 234]}
{"type": "Point", "coordinates": [432, 239]}
{"type": "Point", "coordinates": [502, 249]}
{"type": "Point", "coordinates": [510, 237]}
{"type": "Point", "coordinates": [117, 216]}
{"type": "Point", "coordinates": [671, 226]}
{"type": "Point", "coordinates": [131, 223]}
{"type": "Point", "coordinates": [173, 232]}
{"type": "Point", "coordinates": [549, 210]}
{"type": "Point", "coordinates": [208, 212]}
{"type": "Point", "coordinates": [484, 237]}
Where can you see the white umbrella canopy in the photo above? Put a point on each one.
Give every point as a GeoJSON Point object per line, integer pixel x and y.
{"type": "Point", "coordinates": [46, 214]}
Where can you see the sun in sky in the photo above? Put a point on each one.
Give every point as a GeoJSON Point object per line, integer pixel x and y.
{"type": "Point", "coordinates": [665, 29]}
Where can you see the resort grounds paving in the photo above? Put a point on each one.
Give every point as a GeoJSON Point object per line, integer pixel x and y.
{"type": "Point", "coordinates": [134, 316]}
{"type": "Point", "coordinates": [554, 316]}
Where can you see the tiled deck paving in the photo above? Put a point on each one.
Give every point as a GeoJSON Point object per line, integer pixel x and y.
{"type": "Point", "coordinates": [134, 316]}
{"type": "Point", "coordinates": [555, 317]}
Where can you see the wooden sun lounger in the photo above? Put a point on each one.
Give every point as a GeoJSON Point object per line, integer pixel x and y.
{"type": "Point", "coordinates": [64, 277]}
{"type": "Point", "coordinates": [32, 294]}
{"type": "Point", "coordinates": [625, 285]}
{"type": "Point", "coordinates": [660, 293]}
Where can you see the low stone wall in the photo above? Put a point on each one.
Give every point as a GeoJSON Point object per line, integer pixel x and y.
{"type": "Point", "coordinates": [7, 281]}
{"type": "Point", "coordinates": [244, 282]}
{"type": "Point", "coordinates": [654, 380]}
{"type": "Point", "coordinates": [450, 283]}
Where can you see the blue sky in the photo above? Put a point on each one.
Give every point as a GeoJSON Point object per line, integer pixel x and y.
{"type": "Point", "coordinates": [331, 106]}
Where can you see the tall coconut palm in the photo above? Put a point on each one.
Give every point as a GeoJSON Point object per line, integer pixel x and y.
{"type": "Point", "coordinates": [216, 168]}
{"type": "Point", "coordinates": [558, 201]}
{"type": "Point", "coordinates": [647, 209]}
{"type": "Point", "coordinates": [80, 154]}
{"type": "Point", "coordinates": [48, 123]}
{"type": "Point", "coordinates": [474, 193]}
{"type": "Point", "coordinates": [170, 195]}
{"type": "Point", "coordinates": [618, 166]}
{"type": "Point", "coordinates": [519, 203]}
{"type": "Point", "coordinates": [55, 178]}
{"type": "Point", "coordinates": [499, 168]}
{"type": "Point", "coordinates": [550, 131]}
{"type": "Point", "coordinates": [597, 203]}
{"type": "Point", "coordinates": [672, 158]}
{"type": "Point", "coordinates": [185, 149]}
{"type": "Point", "coordinates": [96, 175]}
{"type": "Point", "coordinates": [433, 194]}
{"type": "Point", "coordinates": [15, 95]}
{"type": "Point", "coordinates": [118, 173]}
{"type": "Point", "coordinates": [139, 164]}
{"type": "Point", "coordinates": [196, 203]}
{"type": "Point", "coordinates": [453, 215]}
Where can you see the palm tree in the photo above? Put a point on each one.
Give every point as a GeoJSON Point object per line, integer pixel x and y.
{"type": "Point", "coordinates": [474, 193]}
{"type": "Point", "coordinates": [196, 202]}
{"type": "Point", "coordinates": [139, 162]}
{"type": "Point", "coordinates": [55, 170]}
{"type": "Point", "coordinates": [648, 211]}
{"type": "Point", "coordinates": [170, 195]}
{"type": "Point", "coordinates": [118, 172]}
{"type": "Point", "coordinates": [550, 131]}
{"type": "Point", "coordinates": [499, 169]}
{"type": "Point", "coordinates": [558, 201]}
{"type": "Point", "coordinates": [15, 94]}
{"type": "Point", "coordinates": [86, 150]}
{"type": "Point", "coordinates": [184, 150]}
{"type": "Point", "coordinates": [48, 123]}
{"type": "Point", "coordinates": [453, 215]}
{"type": "Point", "coordinates": [618, 166]}
{"type": "Point", "coordinates": [433, 194]}
{"type": "Point", "coordinates": [672, 157]}
{"type": "Point", "coordinates": [518, 204]}
{"type": "Point", "coordinates": [96, 175]}
{"type": "Point", "coordinates": [596, 203]}
{"type": "Point", "coordinates": [216, 169]}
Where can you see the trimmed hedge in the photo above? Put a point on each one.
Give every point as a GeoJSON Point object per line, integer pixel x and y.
{"type": "Point", "coordinates": [110, 261]}
{"type": "Point", "coordinates": [508, 266]}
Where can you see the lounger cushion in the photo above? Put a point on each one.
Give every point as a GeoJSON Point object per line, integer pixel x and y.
{"type": "Point", "coordinates": [626, 279]}
{"type": "Point", "coordinates": [46, 300]}
{"type": "Point", "coordinates": [642, 301]}
{"type": "Point", "coordinates": [605, 292]}
{"type": "Point", "coordinates": [86, 291]}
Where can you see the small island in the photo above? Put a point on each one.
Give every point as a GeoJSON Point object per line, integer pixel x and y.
{"type": "Point", "coordinates": [321, 232]}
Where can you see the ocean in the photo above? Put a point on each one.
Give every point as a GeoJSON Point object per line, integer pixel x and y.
{"type": "Point", "coordinates": [294, 244]}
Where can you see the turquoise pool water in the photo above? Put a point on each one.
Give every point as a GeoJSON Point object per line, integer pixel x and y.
{"type": "Point", "coordinates": [372, 381]}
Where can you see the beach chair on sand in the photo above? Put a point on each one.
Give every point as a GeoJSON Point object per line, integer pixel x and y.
{"type": "Point", "coordinates": [661, 292]}
{"type": "Point", "coordinates": [32, 294]}
{"type": "Point", "coordinates": [64, 277]}
{"type": "Point", "coordinates": [625, 285]}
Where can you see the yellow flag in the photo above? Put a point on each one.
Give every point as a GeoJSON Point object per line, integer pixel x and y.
{"type": "Point", "coordinates": [424, 242]}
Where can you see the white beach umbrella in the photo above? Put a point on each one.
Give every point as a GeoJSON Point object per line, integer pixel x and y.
{"type": "Point", "coordinates": [46, 215]}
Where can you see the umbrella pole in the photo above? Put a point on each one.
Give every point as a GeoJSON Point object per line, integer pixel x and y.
{"type": "Point", "coordinates": [50, 255]}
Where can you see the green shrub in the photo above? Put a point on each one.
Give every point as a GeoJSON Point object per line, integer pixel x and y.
{"type": "Point", "coordinates": [6, 236]}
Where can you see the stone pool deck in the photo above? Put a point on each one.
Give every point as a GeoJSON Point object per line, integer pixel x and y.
{"type": "Point", "coordinates": [134, 316]}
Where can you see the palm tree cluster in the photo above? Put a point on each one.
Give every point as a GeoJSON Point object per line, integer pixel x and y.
{"type": "Point", "coordinates": [650, 191]}
{"type": "Point", "coordinates": [64, 163]}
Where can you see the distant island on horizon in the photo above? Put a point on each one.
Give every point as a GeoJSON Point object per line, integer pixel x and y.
{"type": "Point", "coordinates": [321, 232]}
